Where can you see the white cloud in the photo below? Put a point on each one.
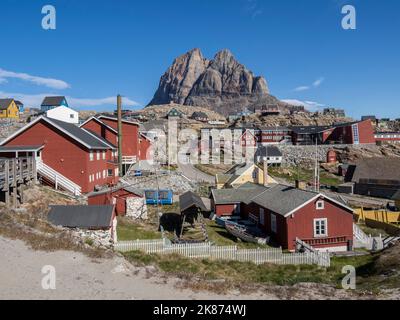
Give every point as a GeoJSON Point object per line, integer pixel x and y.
{"type": "Point", "coordinates": [47, 82]}
{"type": "Point", "coordinates": [309, 105]}
{"type": "Point", "coordinates": [35, 100]}
{"type": "Point", "coordinates": [315, 84]}
{"type": "Point", "coordinates": [318, 82]}
{"type": "Point", "coordinates": [302, 88]}
{"type": "Point", "coordinates": [3, 80]}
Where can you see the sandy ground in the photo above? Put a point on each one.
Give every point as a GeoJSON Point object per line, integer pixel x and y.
{"type": "Point", "coordinates": [79, 277]}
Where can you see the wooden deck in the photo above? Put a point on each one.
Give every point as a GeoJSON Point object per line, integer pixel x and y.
{"type": "Point", "coordinates": [15, 174]}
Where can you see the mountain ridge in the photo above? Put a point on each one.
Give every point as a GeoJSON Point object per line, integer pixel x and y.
{"type": "Point", "coordinates": [222, 84]}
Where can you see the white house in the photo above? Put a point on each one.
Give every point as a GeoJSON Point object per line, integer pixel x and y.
{"type": "Point", "coordinates": [64, 114]}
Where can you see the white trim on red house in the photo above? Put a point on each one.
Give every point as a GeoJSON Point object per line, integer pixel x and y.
{"type": "Point", "coordinates": [17, 133]}
{"type": "Point", "coordinates": [100, 122]}
{"type": "Point", "coordinates": [315, 198]}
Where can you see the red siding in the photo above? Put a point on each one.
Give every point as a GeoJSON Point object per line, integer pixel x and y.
{"type": "Point", "coordinates": [144, 150]}
{"type": "Point", "coordinates": [340, 224]}
{"type": "Point", "coordinates": [130, 136]}
{"type": "Point", "coordinates": [366, 132]}
{"type": "Point", "coordinates": [102, 131]}
{"type": "Point", "coordinates": [117, 197]}
{"type": "Point", "coordinates": [225, 209]}
{"type": "Point", "coordinates": [64, 155]}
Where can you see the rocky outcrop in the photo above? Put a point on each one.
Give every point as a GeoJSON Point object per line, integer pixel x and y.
{"type": "Point", "coordinates": [222, 84]}
{"type": "Point", "coordinates": [177, 82]}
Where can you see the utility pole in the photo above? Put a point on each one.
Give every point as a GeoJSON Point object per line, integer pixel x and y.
{"type": "Point", "coordinates": [119, 115]}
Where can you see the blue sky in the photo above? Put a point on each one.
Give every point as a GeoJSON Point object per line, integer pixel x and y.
{"type": "Point", "coordinates": [101, 48]}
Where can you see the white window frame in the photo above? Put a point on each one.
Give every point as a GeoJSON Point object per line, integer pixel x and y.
{"type": "Point", "coordinates": [104, 155]}
{"type": "Point", "coordinates": [104, 174]}
{"type": "Point", "coordinates": [320, 205]}
{"type": "Point", "coordinates": [274, 224]}
{"type": "Point", "coordinates": [316, 221]}
{"type": "Point", "coordinates": [98, 155]}
{"type": "Point", "coordinates": [91, 156]}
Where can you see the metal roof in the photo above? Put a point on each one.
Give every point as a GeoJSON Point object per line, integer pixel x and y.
{"type": "Point", "coordinates": [190, 199]}
{"type": "Point", "coordinates": [283, 199]}
{"type": "Point", "coordinates": [89, 139]}
{"type": "Point", "coordinates": [85, 217]}
{"type": "Point", "coordinates": [52, 101]}
{"type": "Point", "coordinates": [379, 169]}
{"type": "Point", "coordinates": [268, 151]}
{"type": "Point", "coordinates": [243, 194]}
{"type": "Point", "coordinates": [20, 148]}
{"type": "Point", "coordinates": [5, 103]}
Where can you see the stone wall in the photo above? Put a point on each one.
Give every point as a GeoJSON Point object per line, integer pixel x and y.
{"type": "Point", "coordinates": [98, 237]}
{"type": "Point", "coordinates": [136, 208]}
{"type": "Point", "coordinates": [306, 154]}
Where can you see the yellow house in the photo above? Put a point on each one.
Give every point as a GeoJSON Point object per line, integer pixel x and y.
{"type": "Point", "coordinates": [8, 109]}
{"type": "Point", "coordinates": [241, 174]}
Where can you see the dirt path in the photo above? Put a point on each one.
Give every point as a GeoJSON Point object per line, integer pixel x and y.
{"type": "Point", "coordinates": [79, 277]}
{"type": "Point", "coordinates": [194, 174]}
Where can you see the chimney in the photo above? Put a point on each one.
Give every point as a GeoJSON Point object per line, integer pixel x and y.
{"type": "Point", "coordinates": [300, 185]}
{"type": "Point", "coordinates": [119, 115]}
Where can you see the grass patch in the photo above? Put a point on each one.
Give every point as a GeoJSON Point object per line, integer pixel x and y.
{"type": "Point", "coordinates": [242, 272]}
{"type": "Point", "coordinates": [127, 230]}
{"type": "Point", "coordinates": [291, 174]}
{"type": "Point", "coordinates": [221, 237]}
{"type": "Point", "coordinates": [213, 169]}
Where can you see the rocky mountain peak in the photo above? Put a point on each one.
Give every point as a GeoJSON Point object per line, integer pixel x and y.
{"type": "Point", "coordinates": [222, 84]}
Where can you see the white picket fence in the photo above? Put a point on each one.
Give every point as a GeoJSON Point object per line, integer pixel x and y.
{"type": "Point", "coordinates": [227, 253]}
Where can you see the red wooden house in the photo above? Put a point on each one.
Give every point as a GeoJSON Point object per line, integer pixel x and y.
{"type": "Point", "coordinates": [135, 146]}
{"type": "Point", "coordinates": [287, 214]}
{"type": "Point", "coordinates": [115, 196]}
{"type": "Point", "coordinates": [72, 158]}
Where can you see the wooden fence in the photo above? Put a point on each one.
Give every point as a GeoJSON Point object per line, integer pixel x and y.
{"type": "Point", "coordinates": [227, 253]}
{"type": "Point", "coordinates": [378, 215]}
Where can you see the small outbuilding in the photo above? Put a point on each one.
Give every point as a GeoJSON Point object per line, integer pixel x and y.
{"type": "Point", "coordinates": [128, 200]}
{"type": "Point", "coordinates": [191, 205]}
{"type": "Point", "coordinates": [95, 221]}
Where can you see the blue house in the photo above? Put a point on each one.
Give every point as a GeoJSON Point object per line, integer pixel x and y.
{"type": "Point", "coordinates": [53, 102]}
{"type": "Point", "coordinates": [20, 106]}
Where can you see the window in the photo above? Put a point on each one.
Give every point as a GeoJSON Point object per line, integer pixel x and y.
{"type": "Point", "coordinates": [98, 155]}
{"type": "Point", "coordinates": [104, 174]}
{"type": "Point", "coordinates": [90, 178]}
{"type": "Point", "coordinates": [116, 172]}
{"type": "Point", "coordinates": [110, 172]}
{"type": "Point", "coordinates": [237, 209]}
{"type": "Point", "coordinates": [72, 116]}
{"type": "Point", "coordinates": [320, 205]}
{"type": "Point", "coordinates": [104, 155]}
{"type": "Point", "coordinates": [320, 227]}
{"type": "Point", "coordinates": [262, 217]}
{"type": "Point", "coordinates": [273, 223]}
{"type": "Point", "coordinates": [91, 156]}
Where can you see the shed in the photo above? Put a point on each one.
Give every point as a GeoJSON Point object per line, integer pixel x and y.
{"type": "Point", "coordinates": [115, 196]}
{"type": "Point", "coordinates": [83, 217]}
{"type": "Point", "coordinates": [191, 205]}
